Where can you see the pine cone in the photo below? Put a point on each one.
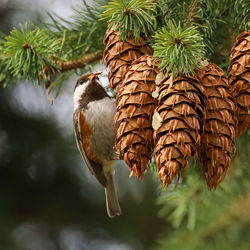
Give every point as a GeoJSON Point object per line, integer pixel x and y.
{"type": "Point", "coordinates": [119, 55]}
{"type": "Point", "coordinates": [219, 131]}
{"type": "Point", "coordinates": [135, 107]}
{"type": "Point", "coordinates": [239, 78]}
{"type": "Point", "coordinates": [177, 131]}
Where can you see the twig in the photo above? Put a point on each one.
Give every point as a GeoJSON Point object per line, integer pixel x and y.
{"type": "Point", "coordinates": [192, 12]}
{"type": "Point", "coordinates": [79, 63]}
{"type": "Point", "coordinates": [66, 66]}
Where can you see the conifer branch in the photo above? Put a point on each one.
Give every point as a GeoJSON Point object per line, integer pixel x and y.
{"type": "Point", "coordinates": [134, 16]}
{"type": "Point", "coordinates": [192, 12]}
{"type": "Point", "coordinates": [242, 14]}
{"type": "Point", "coordinates": [27, 51]}
{"type": "Point", "coordinates": [80, 62]}
{"type": "Point", "coordinates": [178, 49]}
{"type": "Point", "coordinates": [63, 67]}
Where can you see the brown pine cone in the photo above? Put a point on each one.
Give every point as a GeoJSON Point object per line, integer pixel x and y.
{"type": "Point", "coordinates": [239, 78]}
{"type": "Point", "coordinates": [219, 129]}
{"type": "Point", "coordinates": [177, 124]}
{"type": "Point", "coordinates": [119, 55]}
{"type": "Point", "coordinates": [135, 107]}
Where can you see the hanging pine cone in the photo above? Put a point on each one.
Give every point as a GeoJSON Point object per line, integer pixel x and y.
{"type": "Point", "coordinates": [119, 55]}
{"type": "Point", "coordinates": [218, 137]}
{"type": "Point", "coordinates": [135, 107]}
{"type": "Point", "coordinates": [239, 78]}
{"type": "Point", "coordinates": [177, 124]}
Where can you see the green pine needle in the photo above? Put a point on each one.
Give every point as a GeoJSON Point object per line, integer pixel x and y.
{"type": "Point", "coordinates": [135, 16]}
{"type": "Point", "coordinates": [27, 51]}
{"type": "Point", "coordinates": [242, 17]}
{"type": "Point", "coordinates": [178, 49]}
{"type": "Point", "coordinates": [82, 34]}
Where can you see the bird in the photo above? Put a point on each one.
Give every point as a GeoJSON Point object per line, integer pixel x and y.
{"type": "Point", "coordinates": [95, 134]}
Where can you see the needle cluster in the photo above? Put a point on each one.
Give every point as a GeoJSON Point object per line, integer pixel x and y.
{"type": "Point", "coordinates": [28, 50]}
{"type": "Point", "coordinates": [178, 49]}
{"type": "Point", "coordinates": [135, 16]}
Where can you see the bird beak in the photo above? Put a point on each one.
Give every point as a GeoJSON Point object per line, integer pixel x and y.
{"type": "Point", "coordinates": [93, 76]}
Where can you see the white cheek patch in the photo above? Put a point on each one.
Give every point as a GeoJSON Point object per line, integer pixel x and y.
{"type": "Point", "coordinates": [80, 89]}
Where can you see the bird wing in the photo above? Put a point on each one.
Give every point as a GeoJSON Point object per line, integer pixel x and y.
{"type": "Point", "coordinates": [81, 132]}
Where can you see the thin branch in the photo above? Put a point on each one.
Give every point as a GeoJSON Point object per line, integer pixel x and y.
{"type": "Point", "coordinates": [192, 11]}
{"type": "Point", "coordinates": [79, 63]}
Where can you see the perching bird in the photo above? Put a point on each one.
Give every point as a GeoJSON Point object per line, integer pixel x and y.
{"type": "Point", "coordinates": [95, 134]}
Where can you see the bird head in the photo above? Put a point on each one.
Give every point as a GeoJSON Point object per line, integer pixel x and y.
{"type": "Point", "coordinates": [87, 89]}
{"type": "Point", "coordinates": [86, 79]}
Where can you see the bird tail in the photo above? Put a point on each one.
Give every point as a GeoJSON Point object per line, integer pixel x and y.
{"type": "Point", "coordinates": [112, 203]}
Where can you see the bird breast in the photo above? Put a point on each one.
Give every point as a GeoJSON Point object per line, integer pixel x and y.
{"type": "Point", "coordinates": [99, 115]}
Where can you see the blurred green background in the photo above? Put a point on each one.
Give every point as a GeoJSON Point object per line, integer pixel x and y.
{"type": "Point", "coordinates": [49, 201]}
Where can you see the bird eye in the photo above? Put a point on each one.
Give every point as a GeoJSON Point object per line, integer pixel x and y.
{"type": "Point", "coordinates": [81, 81]}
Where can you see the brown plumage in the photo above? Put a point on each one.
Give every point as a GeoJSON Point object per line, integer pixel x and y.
{"type": "Point", "coordinates": [219, 125]}
{"type": "Point", "coordinates": [95, 134]}
{"type": "Point", "coordinates": [135, 106]}
{"type": "Point", "coordinates": [177, 133]}
{"type": "Point", "coordinates": [239, 78]}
